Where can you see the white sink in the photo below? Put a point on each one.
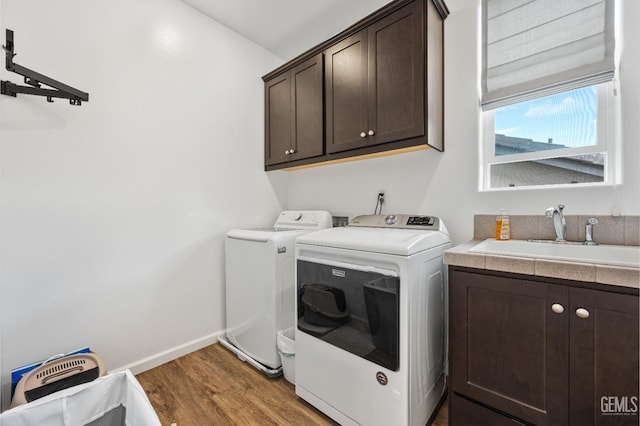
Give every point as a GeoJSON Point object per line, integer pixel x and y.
{"type": "Point", "coordinates": [628, 256]}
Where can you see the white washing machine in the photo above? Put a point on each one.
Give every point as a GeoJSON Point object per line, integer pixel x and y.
{"type": "Point", "coordinates": [370, 333]}
{"type": "Point", "coordinates": [260, 286]}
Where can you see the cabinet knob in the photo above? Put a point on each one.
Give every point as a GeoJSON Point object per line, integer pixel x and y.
{"type": "Point", "coordinates": [292, 151]}
{"type": "Point", "coordinates": [371, 133]}
{"type": "Point", "coordinates": [582, 313]}
{"type": "Point", "coordinates": [363, 135]}
{"type": "Point", "coordinates": [286, 152]}
{"type": "Point", "coordinates": [557, 308]}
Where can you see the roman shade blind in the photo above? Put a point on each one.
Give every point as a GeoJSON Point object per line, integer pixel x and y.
{"type": "Point", "coordinates": [534, 48]}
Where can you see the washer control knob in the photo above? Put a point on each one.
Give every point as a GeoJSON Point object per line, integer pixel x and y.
{"type": "Point", "coordinates": [297, 217]}
{"type": "Point", "coordinates": [391, 219]}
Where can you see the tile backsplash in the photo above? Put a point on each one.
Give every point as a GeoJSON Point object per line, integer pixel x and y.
{"type": "Point", "coordinates": [619, 230]}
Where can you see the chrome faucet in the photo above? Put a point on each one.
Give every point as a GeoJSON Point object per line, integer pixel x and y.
{"type": "Point", "coordinates": [559, 223]}
{"type": "Point", "coordinates": [588, 234]}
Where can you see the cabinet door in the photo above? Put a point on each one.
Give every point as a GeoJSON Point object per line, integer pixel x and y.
{"type": "Point", "coordinates": [293, 119]}
{"type": "Point", "coordinates": [346, 93]}
{"type": "Point", "coordinates": [509, 349]}
{"type": "Point", "coordinates": [278, 119]}
{"type": "Point", "coordinates": [396, 76]}
{"type": "Point", "coordinates": [306, 98]}
{"type": "Point", "coordinates": [375, 83]}
{"type": "Point", "coordinates": [604, 358]}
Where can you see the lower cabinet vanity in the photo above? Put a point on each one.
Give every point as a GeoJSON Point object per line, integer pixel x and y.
{"type": "Point", "coordinates": [544, 351]}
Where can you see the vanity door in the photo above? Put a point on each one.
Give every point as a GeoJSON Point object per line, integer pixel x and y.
{"type": "Point", "coordinates": [510, 345]}
{"type": "Point", "coordinates": [604, 358]}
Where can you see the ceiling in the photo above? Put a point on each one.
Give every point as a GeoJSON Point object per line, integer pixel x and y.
{"type": "Point", "coordinates": [287, 28]}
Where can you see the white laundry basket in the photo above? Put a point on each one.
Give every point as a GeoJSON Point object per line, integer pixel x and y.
{"type": "Point", "coordinates": [287, 350]}
{"type": "Point", "coordinates": [114, 399]}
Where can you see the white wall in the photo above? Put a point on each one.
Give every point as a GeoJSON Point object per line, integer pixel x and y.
{"type": "Point", "coordinates": [113, 213]}
{"type": "Point", "coordinates": [445, 184]}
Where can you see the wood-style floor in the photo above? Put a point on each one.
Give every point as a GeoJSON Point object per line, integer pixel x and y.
{"type": "Point", "coordinates": [213, 387]}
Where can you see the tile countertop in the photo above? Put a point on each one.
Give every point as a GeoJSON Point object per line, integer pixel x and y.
{"type": "Point", "coordinates": [588, 272]}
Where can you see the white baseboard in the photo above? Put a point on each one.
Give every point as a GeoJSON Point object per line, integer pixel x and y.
{"type": "Point", "coordinates": [160, 358]}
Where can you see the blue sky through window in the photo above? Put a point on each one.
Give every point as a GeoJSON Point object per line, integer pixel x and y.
{"type": "Point", "coordinates": [568, 118]}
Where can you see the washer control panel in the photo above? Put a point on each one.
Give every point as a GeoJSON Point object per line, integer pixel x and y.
{"type": "Point", "coordinates": [397, 221]}
{"type": "Point", "coordinates": [303, 219]}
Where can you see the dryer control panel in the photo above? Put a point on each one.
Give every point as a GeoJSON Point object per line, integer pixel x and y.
{"type": "Point", "coordinates": [397, 221]}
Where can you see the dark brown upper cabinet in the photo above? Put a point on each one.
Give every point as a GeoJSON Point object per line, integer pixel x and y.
{"type": "Point", "coordinates": [375, 83]}
{"type": "Point", "coordinates": [294, 113]}
{"type": "Point", "coordinates": [377, 86]}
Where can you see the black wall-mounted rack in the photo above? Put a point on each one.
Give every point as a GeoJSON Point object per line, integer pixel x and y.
{"type": "Point", "coordinates": [35, 81]}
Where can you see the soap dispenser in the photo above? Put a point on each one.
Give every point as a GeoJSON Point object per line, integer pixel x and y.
{"type": "Point", "coordinates": [503, 226]}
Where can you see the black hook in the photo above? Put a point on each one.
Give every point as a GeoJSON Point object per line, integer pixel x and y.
{"type": "Point", "coordinates": [32, 82]}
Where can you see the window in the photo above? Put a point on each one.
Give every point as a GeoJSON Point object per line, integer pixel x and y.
{"type": "Point", "coordinates": [554, 140]}
{"type": "Point", "coordinates": [548, 95]}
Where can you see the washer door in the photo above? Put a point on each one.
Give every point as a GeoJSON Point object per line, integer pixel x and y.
{"type": "Point", "coordinates": [353, 309]}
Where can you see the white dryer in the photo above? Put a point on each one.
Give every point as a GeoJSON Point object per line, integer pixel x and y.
{"type": "Point", "coordinates": [260, 286]}
{"type": "Point", "coordinates": [370, 333]}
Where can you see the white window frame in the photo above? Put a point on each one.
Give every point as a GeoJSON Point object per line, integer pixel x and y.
{"type": "Point", "coordinates": [607, 143]}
